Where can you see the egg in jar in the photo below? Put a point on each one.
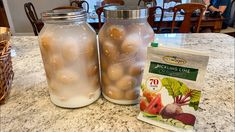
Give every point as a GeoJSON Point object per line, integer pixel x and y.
{"type": "Point", "coordinates": [136, 69]}
{"type": "Point", "coordinates": [70, 50]}
{"type": "Point", "coordinates": [67, 77]}
{"type": "Point", "coordinates": [113, 92]}
{"type": "Point", "coordinates": [131, 44]}
{"type": "Point", "coordinates": [90, 49]}
{"type": "Point", "coordinates": [56, 62]}
{"type": "Point", "coordinates": [46, 43]}
{"type": "Point", "coordinates": [53, 86]}
{"type": "Point", "coordinates": [49, 72]}
{"type": "Point", "coordinates": [116, 32]}
{"type": "Point", "coordinates": [92, 69]}
{"type": "Point", "coordinates": [105, 80]}
{"type": "Point", "coordinates": [115, 71]}
{"type": "Point", "coordinates": [126, 82]}
{"type": "Point", "coordinates": [132, 94]}
{"type": "Point", "coordinates": [104, 63]}
{"type": "Point", "coordinates": [110, 51]}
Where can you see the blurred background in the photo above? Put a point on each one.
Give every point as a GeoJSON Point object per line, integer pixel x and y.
{"type": "Point", "coordinates": [12, 12]}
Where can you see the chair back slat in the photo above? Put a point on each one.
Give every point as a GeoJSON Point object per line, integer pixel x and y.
{"type": "Point", "coordinates": [152, 16]}
{"type": "Point", "coordinates": [100, 10]}
{"type": "Point", "coordinates": [188, 9]}
{"type": "Point", "coordinates": [33, 18]}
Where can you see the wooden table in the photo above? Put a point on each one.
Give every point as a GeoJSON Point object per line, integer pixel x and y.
{"type": "Point", "coordinates": [207, 22]}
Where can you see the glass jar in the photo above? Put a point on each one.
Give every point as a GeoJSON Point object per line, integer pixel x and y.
{"type": "Point", "coordinates": [69, 51]}
{"type": "Point", "coordinates": [123, 42]}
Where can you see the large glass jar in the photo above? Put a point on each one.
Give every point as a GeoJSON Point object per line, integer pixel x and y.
{"type": "Point", "coordinates": [69, 52]}
{"type": "Point", "coordinates": [123, 42]}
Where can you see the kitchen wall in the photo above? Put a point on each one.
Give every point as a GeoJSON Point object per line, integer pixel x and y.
{"type": "Point", "coordinates": [17, 18]}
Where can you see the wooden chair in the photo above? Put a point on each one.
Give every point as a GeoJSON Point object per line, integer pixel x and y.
{"type": "Point", "coordinates": [33, 18]}
{"type": "Point", "coordinates": [188, 9]}
{"type": "Point", "coordinates": [108, 2]}
{"type": "Point", "coordinates": [152, 16]}
{"type": "Point", "coordinates": [148, 1]}
{"type": "Point", "coordinates": [100, 10]}
{"type": "Point", "coordinates": [80, 3]}
{"type": "Point", "coordinates": [167, 2]}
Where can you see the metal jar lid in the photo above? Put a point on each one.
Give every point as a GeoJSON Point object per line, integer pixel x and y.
{"type": "Point", "coordinates": [125, 12]}
{"type": "Point", "coordinates": [64, 15]}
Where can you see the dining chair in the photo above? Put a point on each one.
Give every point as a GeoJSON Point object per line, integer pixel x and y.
{"type": "Point", "coordinates": [80, 4]}
{"type": "Point", "coordinates": [167, 2]}
{"type": "Point", "coordinates": [147, 1]}
{"type": "Point", "coordinates": [188, 9]}
{"type": "Point", "coordinates": [33, 18]}
{"type": "Point", "coordinates": [107, 2]}
{"type": "Point", "coordinates": [100, 10]}
{"type": "Point", "coordinates": [152, 17]}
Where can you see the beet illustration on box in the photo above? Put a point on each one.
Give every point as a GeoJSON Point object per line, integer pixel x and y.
{"type": "Point", "coordinates": [171, 87]}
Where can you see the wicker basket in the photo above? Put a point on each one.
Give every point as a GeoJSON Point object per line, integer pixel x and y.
{"type": "Point", "coordinates": [6, 70]}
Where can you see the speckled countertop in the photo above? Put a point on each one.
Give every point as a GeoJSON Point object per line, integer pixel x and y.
{"type": "Point", "coordinates": [29, 108]}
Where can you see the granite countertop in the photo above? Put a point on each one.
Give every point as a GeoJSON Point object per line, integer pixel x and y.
{"type": "Point", "coordinates": [29, 108]}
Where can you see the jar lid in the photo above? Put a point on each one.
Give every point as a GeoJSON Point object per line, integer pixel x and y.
{"type": "Point", "coordinates": [64, 15]}
{"type": "Point", "coordinates": [125, 12]}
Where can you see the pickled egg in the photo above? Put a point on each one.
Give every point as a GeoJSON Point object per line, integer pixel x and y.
{"type": "Point", "coordinates": [104, 63]}
{"type": "Point", "coordinates": [70, 50]}
{"type": "Point", "coordinates": [105, 80]}
{"type": "Point", "coordinates": [131, 44]}
{"type": "Point", "coordinates": [136, 69]}
{"type": "Point", "coordinates": [132, 94]}
{"type": "Point", "coordinates": [46, 43]}
{"type": "Point", "coordinates": [53, 86]}
{"type": "Point", "coordinates": [115, 71]}
{"type": "Point", "coordinates": [56, 62]}
{"type": "Point", "coordinates": [49, 71]}
{"type": "Point", "coordinates": [116, 32]}
{"type": "Point", "coordinates": [135, 27]}
{"type": "Point", "coordinates": [110, 51]}
{"type": "Point", "coordinates": [102, 37]}
{"type": "Point", "coordinates": [92, 69]}
{"type": "Point", "coordinates": [95, 83]}
{"type": "Point", "coordinates": [126, 82]}
{"type": "Point", "coordinates": [114, 92]}
{"type": "Point", "coordinates": [67, 77]}
{"type": "Point", "coordinates": [90, 49]}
